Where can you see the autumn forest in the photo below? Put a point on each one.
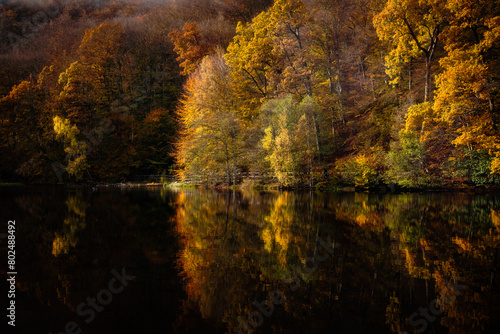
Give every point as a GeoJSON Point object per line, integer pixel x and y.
{"type": "Point", "coordinates": [362, 93]}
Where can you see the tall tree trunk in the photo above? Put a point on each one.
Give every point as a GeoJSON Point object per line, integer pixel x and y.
{"type": "Point", "coordinates": [333, 121]}
{"type": "Point", "coordinates": [409, 75]}
{"type": "Point", "coordinates": [316, 134]}
{"type": "Point", "coordinates": [373, 89]}
{"type": "Point", "coordinates": [228, 172]}
{"type": "Point", "coordinates": [427, 78]}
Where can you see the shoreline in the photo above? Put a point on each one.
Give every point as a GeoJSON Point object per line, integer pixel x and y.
{"type": "Point", "coordinates": [339, 188]}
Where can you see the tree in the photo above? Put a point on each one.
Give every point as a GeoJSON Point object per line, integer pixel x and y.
{"type": "Point", "coordinates": [329, 35]}
{"type": "Point", "coordinates": [467, 89]}
{"type": "Point", "coordinates": [290, 22]}
{"type": "Point", "coordinates": [190, 46]}
{"type": "Point", "coordinates": [209, 146]}
{"type": "Point", "coordinates": [288, 137]}
{"type": "Point", "coordinates": [406, 161]}
{"type": "Point", "coordinates": [269, 56]}
{"type": "Point", "coordinates": [155, 139]}
{"type": "Point", "coordinates": [272, 56]}
{"type": "Point", "coordinates": [411, 28]}
{"type": "Point", "coordinates": [252, 60]}
{"type": "Point", "coordinates": [99, 54]}
{"type": "Point", "coordinates": [75, 148]}
{"type": "Point", "coordinates": [100, 98]}
{"type": "Point", "coordinates": [25, 126]}
{"type": "Point", "coordinates": [92, 82]}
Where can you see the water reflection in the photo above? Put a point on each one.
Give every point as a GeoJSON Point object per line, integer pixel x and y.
{"type": "Point", "coordinates": [74, 223]}
{"type": "Point", "coordinates": [395, 256]}
{"type": "Point", "coordinates": [208, 260]}
{"type": "Point", "coordinates": [68, 243]}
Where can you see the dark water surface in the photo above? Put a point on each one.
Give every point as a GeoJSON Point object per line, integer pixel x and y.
{"type": "Point", "coordinates": [197, 261]}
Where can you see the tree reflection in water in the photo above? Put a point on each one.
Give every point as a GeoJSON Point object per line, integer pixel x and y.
{"type": "Point", "coordinates": [397, 254]}
{"type": "Point", "coordinates": [203, 257]}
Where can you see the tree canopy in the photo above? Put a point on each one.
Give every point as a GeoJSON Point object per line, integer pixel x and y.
{"type": "Point", "coordinates": [299, 92]}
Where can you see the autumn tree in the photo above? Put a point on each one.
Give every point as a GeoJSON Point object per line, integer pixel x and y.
{"type": "Point", "coordinates": [89, 86]}
{"type": "Point", "coordinates": [209, 145]}
{"type": "Point", "coordinates": [467, 89]}
{"type": "Point", "coordinates": [75, 148]}
{"type": "Point", "coordinates": [411, 28]}
{"type": "Point", "coordinates": [253, 61]}
{"type": "Point", "coordinates": [91, 83]}
{"type": "Point", "coordinates": [289, 137]}
{"type": "Point", "coordinates": [291, 21]}
{"type": "Point", "coordinates": [26, 129]}
{"type": "Point", "coordinates": [190, 46]}
{"type": "Point", "coordinates": [328, 40]}
{"type": "Point", "coordinates": [111, 97]}
{"type": "Point", "coordinates": [270, 55]}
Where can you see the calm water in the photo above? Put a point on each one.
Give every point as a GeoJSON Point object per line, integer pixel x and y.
{"type": "Point", "coordinates": [195, 261]}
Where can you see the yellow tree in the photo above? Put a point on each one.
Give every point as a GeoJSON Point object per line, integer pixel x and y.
{"type": "Point", "coordinates": [291, 22]}
{"type": "Point", "coordinates": [412, 28]}
{"type": "Point", "coordinates": [270, 55]}
{"type": "Point", "coordinates": [209, 145]}
{"type": "Point", "coordinates": [75, 149]}
{"type": "Point", "coordinates": [252, 60]}
{"type": "Point", "coordinates": [467, 88]}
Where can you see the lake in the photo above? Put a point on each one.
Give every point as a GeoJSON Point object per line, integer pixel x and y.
{"type": "Point", "coordinates": [203, 261]}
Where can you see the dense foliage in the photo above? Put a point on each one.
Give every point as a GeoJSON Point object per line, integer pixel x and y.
{"type": "Point", "coordinates": [362, 92]}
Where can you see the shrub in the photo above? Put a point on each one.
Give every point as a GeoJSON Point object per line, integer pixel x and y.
{"type": "Point", "coordinates": [362, 171]}
{"type": "Point", "coordinates": [473, 165]}
{"type": "Point", "coordinates": [405, 162]}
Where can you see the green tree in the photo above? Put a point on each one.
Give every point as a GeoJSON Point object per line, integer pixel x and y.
{"type": "Point", "coordinates": [288, 137]}
{"type": "Point", "coordinates": [406, 161]}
